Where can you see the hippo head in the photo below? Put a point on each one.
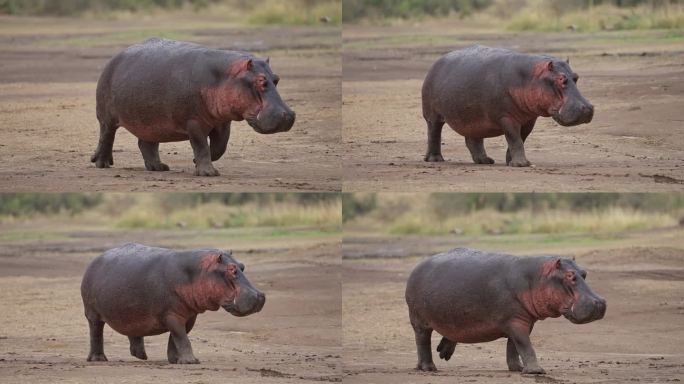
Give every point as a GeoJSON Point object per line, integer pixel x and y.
{"type": "Point", "coordinates": [222, 283]}
{"type": "Point", "coordinates": [567, 106]}
{"type": "Point", "coordinates": [568, 294]}
{"type": "Point", "coordinates": [255, 86]}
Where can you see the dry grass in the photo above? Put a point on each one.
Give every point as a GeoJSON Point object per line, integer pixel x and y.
{"type": "Point", "coordinates": [415, 214]}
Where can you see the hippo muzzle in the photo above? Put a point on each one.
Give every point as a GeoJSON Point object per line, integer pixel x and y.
{"type": "Point", "coordinates": [274, 116]}
{"type": "Point", "coordinates": [588, 308]}
{"type": "Point", "coordinates": [249, 300]}
{"type": "Point", "coordinates": [575, 110]}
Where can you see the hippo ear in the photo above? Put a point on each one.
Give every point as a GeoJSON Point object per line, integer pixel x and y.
{"type": "Point", "coordinates": [558, 264]}
{"type": "Point", "coordinates": [240, 66]}
{"type": "Point", "coordinates": [567, 60]}
{"type": "Point", "coordinates": [549, 66]}
{"type": "Point", "coordinates": [268, 60]}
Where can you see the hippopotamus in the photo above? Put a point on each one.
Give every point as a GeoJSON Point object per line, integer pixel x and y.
{"type": "Point", "coordinates": [144, 291]}
{"type": "Point", "coordinates": [469, 296]}
{"type": "Point", "coordinates": [163, 90]}
{"type": "Point", "coordinates": [484, 92]}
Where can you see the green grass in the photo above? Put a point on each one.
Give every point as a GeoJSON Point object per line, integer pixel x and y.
{"type": "Point", "coordinates": [326, 216]}
{"type": "Point", "coordinates": [528, 222]}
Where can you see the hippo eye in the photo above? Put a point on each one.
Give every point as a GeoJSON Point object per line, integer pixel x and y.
{"type": "Point", "coordinates": [564, 81]}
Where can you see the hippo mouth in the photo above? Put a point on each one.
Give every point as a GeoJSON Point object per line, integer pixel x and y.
{"type": "Point", "coordinates": [234, 309]}
{"type": "Point", "coordinates": [596, 314]}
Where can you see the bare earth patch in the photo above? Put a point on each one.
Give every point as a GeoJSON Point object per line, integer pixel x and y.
{"type": "Point", "coordinates": [295, 339]}
{"type": "Point", "coordinates": [639, 340]}
{"type": "Point", "coordinates": [49, 129]}
{"type": "Point", "coordinates": [634, 142]}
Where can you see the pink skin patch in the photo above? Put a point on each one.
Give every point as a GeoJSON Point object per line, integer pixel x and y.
{"type": "Point", "coordinates": [547, 300]}
{"type": "Point", "coordinates": [208, 293]}
{"type": "Point", "coordinates": [534, 100]}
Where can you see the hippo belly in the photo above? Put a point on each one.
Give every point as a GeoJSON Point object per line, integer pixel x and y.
{"type": "Point", "coordinates": [475, 129]}
{"type": "Point", "coordinates": [473, 332]}
{"type": "Point", "coordinates": [162, 131]}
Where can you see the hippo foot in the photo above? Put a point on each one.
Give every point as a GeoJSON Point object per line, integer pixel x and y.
{"type": "Point", "coordinates": [484, 160]}
{"type": "Point", "coordinates": [515, 366]}
{"type": "Point", "coordinates": [139, 353]}
{"type": "Point", "coordinates": [446, 349]}
{"type": "Point", "coordinates": [102, 161]}
{"type": "Point", "coordinates": [535, 370]}
{"type": "Point", "coordinates": [97, 357]}
{"type": "Point", "coordinates": [519, 163]}
{"type": "Point", "coordinates": [159, 167]}
{"type": "Point", "coordinates": [186, 360]}
{"type": "Point", "coordinates": [434, 157]}
{"type": "Point", "coordinates": [207, 170]}
{"type": "Point", "coordinates": [426, 367]}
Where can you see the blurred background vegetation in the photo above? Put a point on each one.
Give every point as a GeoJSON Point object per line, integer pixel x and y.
{"type": "Point", "coordinates": [510, 213]}
{"type": "Point", "coordinates": [321, 211]}
{"type": "Point", "coordinates": [523, 15]}
{"type": "Point", "coordinates": [279, 12]}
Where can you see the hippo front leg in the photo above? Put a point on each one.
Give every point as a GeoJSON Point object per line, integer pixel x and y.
{"type": "Point", "coordinates": [200, 147]}
{"type": "Point", "coordinates": [150, 154]}
{"type": "Point", "coordinates": [173, 351]}
{"type": "Point", "coordinates": [477, 151]}
{"type": "Point", "coordinates": [137, 347]}
{"type": "Point", "coordinates": [218, 141]}
{"type": "Point", "coordinates": [516, 148]}
{"type": "Point", "coordinates": [513, 357]}
{"type": "Point", "coordinates": [525, 131]}
{"type": "Point", "coordinates": [523, 345]}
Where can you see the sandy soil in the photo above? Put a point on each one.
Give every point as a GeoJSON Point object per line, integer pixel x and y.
{"type": "Point", "coordinates": [634, 143]}
{"type": "Point", "coordinates": [639, 340]}
{"type": "Point", "coordinates": [296, 338]}
{"type": "Point", "coordinates": [49, 129]}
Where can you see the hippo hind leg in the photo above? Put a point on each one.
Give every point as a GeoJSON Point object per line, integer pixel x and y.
{"type": "Point", "coordinates": [103, 154]}
{"type": "Point", "coordinates": [96, 339]}
{"type": "Point", "coordinates": [446, 348]}
{"type": "Point", "coordinates": [150, 153]}
{"type": "Point", "coordinates": [513, 357]}
{"type": "Point", "coordinates": [477, 151]}
{"type": "Point", "coordinates": [423, 346]}
{"type": "Point", "coordinates": [434, 147]}
{"type": "Point", "coordinates": [138, 347]}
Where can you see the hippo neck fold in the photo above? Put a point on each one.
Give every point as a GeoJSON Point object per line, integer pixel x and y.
{"type": "Point", "coordinates": [543, 299]}
{"type": "Point", "coordinates": [204, 293]}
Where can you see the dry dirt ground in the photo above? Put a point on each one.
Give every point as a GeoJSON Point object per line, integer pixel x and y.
{"type": "Point", "coordinates": [48, 73]}
{"type": "Point", "coordinates": [639, 340]}
{"type": "Point", "coordinates": [634, 79]}
{"type": "Point", "coordinates": [294, 339]}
